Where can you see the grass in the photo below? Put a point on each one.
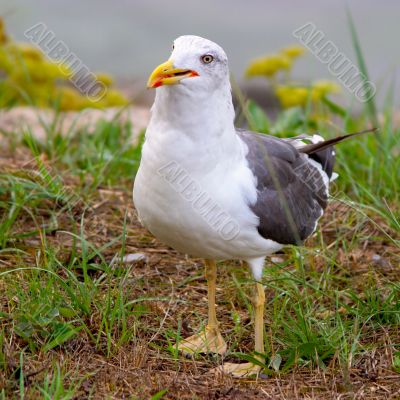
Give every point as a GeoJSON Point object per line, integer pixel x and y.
{"type": "Point", "coordinates": [77, 321]}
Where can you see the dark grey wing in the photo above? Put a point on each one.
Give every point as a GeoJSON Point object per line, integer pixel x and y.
{"type": "Point", "coordinates": [291, 193]}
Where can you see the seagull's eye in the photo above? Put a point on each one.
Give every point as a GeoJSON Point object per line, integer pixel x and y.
{"type": "Point", "coordinates": [173, 46]}
{"type": "Point", "coordinates": [207, 58]}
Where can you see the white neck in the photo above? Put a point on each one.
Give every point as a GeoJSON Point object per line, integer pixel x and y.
{"type": "Point", "coordinates": [197, 122]}
{"type": "Point", "coordinates": [188, 109]}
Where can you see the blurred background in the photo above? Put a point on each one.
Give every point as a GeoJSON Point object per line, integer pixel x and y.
{"type": "Point", "coordinates": [129, 38]}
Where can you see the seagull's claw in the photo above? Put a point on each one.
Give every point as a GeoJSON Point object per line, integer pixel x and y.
{"type": "Point", "coordinates": [209, 340]}
{"type": "Point", "coordinates": [245, 370]}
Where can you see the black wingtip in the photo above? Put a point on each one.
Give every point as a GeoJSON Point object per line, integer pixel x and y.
{"type": "Point", "coordinates": [314, 147]}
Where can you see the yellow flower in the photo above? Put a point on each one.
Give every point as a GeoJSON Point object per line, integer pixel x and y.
{"type": "Point", "coordinates": [323, 87]}
{"type": "Point", "coordinates": [39, 95]}
{"type": "Point", "coordinates": [105, 78]}
{"type": "Point", "coordinates": [293, 51]}
{"type": "Point", "coordinates": [28, 51]}
{"type": "Point", "coordinates": [292, 96]}
{"type": "Point", "coordinates": [269, 65]}
{"type": "Point", "coordinates": [114, 98]}
{"type": "Point", "coordinates": [70, 99]}
{"type": "Point", "coordinates": [28, 77]}
{"type": "Point", "coordinates": [65, 72]}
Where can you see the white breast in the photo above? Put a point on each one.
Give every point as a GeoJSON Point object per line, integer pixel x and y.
{"type": "Point", "coordinates": [196, 204]}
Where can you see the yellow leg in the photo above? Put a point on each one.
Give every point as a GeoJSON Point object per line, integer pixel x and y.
{"type": "Point", "coordinates": [259, 303]}
{"type": "Point", "coordinates": [249, 369]}
{"type": "Point", "coordinates": [210, 340]}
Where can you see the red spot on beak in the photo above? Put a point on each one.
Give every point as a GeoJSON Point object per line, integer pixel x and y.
{"type": "Point", "coordinates": [157, 84]}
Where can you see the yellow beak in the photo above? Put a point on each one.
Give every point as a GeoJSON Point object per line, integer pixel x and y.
{"type": "Point", "coordinates": [166, 74]}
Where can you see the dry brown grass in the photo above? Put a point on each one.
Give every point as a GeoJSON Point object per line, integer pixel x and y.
{"type": "Point", "coordinates": [143, 366]}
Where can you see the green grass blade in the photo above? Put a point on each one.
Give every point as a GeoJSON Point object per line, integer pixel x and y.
{"type": "Point", "coordinates": [370, 103]}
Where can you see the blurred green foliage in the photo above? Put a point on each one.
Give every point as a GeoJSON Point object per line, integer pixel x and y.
{"type": "Point", "coordinates": [27, 77]}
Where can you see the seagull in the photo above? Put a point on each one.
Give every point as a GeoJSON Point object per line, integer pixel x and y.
{"type": "Point", "coordinates": [215, 192]}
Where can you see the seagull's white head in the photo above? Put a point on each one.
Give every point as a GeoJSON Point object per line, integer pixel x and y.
{"type": "Point", "coordinates": [193, 91]}
{"type": "Point", "coordinates": [195, 63]}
